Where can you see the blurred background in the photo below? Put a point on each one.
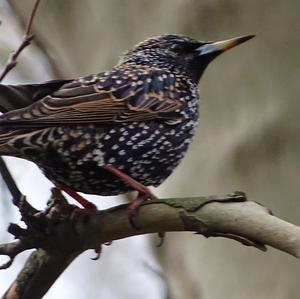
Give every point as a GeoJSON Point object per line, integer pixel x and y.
{"type": "Point", "coordinates": [248, 139]}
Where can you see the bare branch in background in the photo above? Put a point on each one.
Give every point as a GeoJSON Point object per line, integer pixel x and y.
{"type": "Point", "coordinates": [12, 60]}
{"type": "Point", "coordinates": [39, 40]}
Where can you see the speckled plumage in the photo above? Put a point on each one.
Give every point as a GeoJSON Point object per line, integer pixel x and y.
{"type": "Point", "coordinates": [140, 118]}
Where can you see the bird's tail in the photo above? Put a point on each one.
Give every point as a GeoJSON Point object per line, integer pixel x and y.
{"type": "Point", "coordinates": [18, 96]}
{"type": "Point", "coordinates": [14, 97]}
{"type": "Point", "coordinates": [5, 148]}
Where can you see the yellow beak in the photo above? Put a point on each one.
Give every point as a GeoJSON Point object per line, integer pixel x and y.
{"type": "Point", "coordinates": [222, 46]}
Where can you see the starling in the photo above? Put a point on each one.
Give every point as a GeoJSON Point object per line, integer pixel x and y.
{"type": "Point", "coordinates": [115, 131]}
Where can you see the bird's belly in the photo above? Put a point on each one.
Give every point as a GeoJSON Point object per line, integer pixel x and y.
{"type": "Point", "coordinates": [146, 152]}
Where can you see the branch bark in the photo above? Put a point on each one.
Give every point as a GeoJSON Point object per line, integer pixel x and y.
{"type": "Point", "coordinates": [60, 242]}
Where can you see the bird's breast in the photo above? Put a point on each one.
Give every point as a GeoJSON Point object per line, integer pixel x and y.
{"type": "Point", "coordinates": [147, 151]}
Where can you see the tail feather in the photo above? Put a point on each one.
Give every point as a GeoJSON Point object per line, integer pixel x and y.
{"type": "Point", "coordinates": [18, 96]}
{"type": "Point", "coordinates": [5, 148]}
{"type": "Point", "coordinates": [14, 97]}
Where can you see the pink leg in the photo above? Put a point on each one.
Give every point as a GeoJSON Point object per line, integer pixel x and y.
{"type": "Point", "coordinates": [85, 203]}
{"type": "Point", "coordinates": [143, 192]}
{"type": "Point", "coordinates": [88, 206]}
{"type": "Point", "coordinates": [129, 180]}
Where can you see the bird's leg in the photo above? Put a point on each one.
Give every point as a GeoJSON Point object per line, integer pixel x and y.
{"type": "Point", "coordinates": [132, 182]}
{"type": "Point", "coordinates": [144, 193]}
{"type": "Point", "coordinates": [84, 202]}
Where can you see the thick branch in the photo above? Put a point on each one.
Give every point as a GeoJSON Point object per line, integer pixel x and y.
{"type": "Point", "coordinates": [39, 273]}
{"type": "Point", "coordinates": [231, 216]}
{"type": "Point", "coordinates": [206, 215]}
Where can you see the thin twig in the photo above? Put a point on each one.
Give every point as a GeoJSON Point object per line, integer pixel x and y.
{"type": "Point", "coordinates": [12, 60]}
{"type": "Point", "coordinates": [11, 63]}
{"type": "Point", "coordinates": [39, 41]}
{"type": "Point", "coordinates": [32, 15]}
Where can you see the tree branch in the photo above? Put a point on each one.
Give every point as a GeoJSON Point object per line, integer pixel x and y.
{"type": "Point", "coordinates": [9, 181]}
{"type": "Point", "coordinates": [62, 232]}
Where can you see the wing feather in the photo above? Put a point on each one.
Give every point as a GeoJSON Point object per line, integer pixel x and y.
{"type": "Point", "coordinates": [105, 97]}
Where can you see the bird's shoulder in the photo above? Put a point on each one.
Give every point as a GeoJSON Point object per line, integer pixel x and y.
{"type": "Point", "coordinates": [122, 81]}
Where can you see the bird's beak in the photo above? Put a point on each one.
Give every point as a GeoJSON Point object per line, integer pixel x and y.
{"type": "Point", "coordinates": [221, 46]}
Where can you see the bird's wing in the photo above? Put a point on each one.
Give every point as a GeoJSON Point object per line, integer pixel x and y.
{"type": "Point", "coordinates": [116, 96]}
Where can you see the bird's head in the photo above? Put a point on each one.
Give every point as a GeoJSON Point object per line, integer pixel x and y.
{"type": "Point", "coordinates": [180, 54]}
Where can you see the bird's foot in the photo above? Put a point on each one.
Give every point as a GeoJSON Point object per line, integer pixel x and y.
{"type": "Point", "coordinates": [88, 208]}
{"type": "Point", "coordinates": [133, 209]}
{"type": "Point", "coordinates": [134, 206]}
{"type": "Point", "coordinates": [144, 193]}
{"type": "Point", "coordinates": [83, 215]}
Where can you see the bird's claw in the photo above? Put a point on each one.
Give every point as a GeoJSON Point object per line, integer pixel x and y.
{"type": "Point", "coordinates": [134, 206]}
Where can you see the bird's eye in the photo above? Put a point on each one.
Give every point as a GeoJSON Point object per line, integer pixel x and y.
{"type": "Point", "coordinates": [184, 47]}
{"type": "Point", "coordinates": [177, 48]}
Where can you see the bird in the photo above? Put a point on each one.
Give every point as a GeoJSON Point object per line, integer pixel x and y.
{"type": "Point", "coordinates": [115, 131]}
